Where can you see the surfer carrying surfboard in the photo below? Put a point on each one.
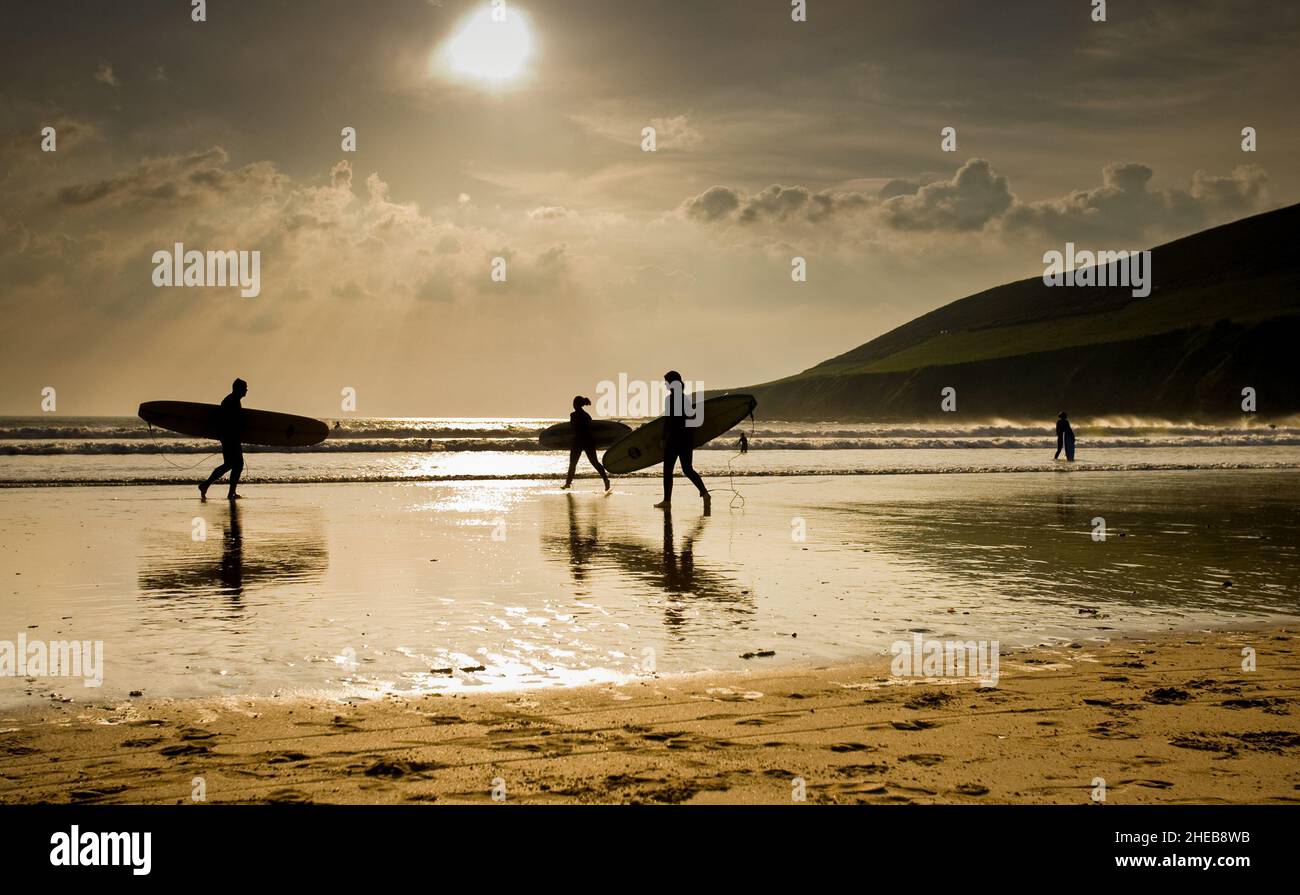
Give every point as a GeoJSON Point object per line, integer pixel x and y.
{"type": "Point", "coordinates": [1064, 437]}
{"type": "Point", "coordinates": [584, 441]}
{"type": "Point", "coordinates": [232, 452]}
{"type": "Point", "coordinates": [678, 441]}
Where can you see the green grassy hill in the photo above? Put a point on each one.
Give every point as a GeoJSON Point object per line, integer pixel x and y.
{"type": "Point", "coordinates": [1223, 313]}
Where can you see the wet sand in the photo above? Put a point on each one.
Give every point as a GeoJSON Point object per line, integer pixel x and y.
{"type": "Point", "coordinates": [1172, 719]}
{"type": "Point", "coordinates": [340, 590]}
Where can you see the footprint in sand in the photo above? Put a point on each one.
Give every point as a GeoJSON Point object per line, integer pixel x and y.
{"type": "Point", "coordinates": [924, 759]}
{"type": "Point", "coordinates": [1167, 696]}
{"type": "Point", "coordinates": [286, 757]}
{"type": "Point", "coordinates": [141, 743]}
{"type": "Point", "coordinates": [857, 770]}
{"type": "Point", "coordinates": [727, 694]}
{"type": "Point", "coordinates": [92, 795]}
{"type": "Point", "coordinates": [852, 747]}
{"type": "Point", "coordinates": [1277, 742]}
{"type": "Point", "coordinates": [289, 797]}
{"type": "Point", "coordinates": [931, 700]}
{"type": "Point", "coordinates": [1150, 784]}
{"type": "Point", "coordinates": [11, 746]}
{"type": "Point", "coordinates": [1273, 705]}
{"type": "Point", "coordinates": [183, 749]}
{"type": "Point", "coordinates": [1112, 730]}
{"type": "Point", "coordinates": [399, 768]}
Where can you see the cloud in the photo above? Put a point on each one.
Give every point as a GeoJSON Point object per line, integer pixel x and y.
{"type": "Point", "coordinates": [1246, 189]}
{"type": "Point", "coordinates": [549, 213]}
{"type": "Point", "coordinates": [899, 188]}
{"type": "Point", "coordinates": [977, 199]}
{"type": "Point", "coordinates": [1125, 207]}
{"type": "Point", "coordinates": [341, 175]}
{"type": "Point", "coordinates": [186, 178]}
{"type": "Point", "coordinates": [104, 75]}
{"type": "Point", "coordinates": [376, 188]}
{"type": "Point", "coordinates": [775, 203]}
{"type": "Point", "coordinates": [974, 196]}
{"type": "Point", "coordinates": [88, 244]}
{"type": "Point", "coordinates": [784, 203]}
{"type": "Point", "coordinates": [714, 204]}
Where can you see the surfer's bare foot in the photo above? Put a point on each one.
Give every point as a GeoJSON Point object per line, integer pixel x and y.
{"type": "Point", "coordinates": [607, 486]}
{"type": "Point", "coordinates": [203, 491]}
{"type": "Point", "coordinates": [664, 505]}
{"type": "Point", "coordinates": [233, 496]}
{"type": "Point", "coordinates": [708, 502]}
{"type": "Point", "coordinates": [564, 487]}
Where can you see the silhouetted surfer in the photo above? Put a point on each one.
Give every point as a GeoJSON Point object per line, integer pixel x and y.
{"type": "Point", "coordinates": [678, 444]}
{"type": "Point", "coordinates": [744, 444]}
{"type": "Point", "coordinates": [232, 452]}
{"type": "Point", "coordinates": [584, 441]}
{"type": "Point", "coordinates": [1064, 437]}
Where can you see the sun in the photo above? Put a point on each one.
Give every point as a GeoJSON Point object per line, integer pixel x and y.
{"type": "Point", "coordinates": [492, 44]}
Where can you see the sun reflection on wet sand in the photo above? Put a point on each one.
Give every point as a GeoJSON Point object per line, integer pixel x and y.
{"type": "Point", "coordinates": [358, 590]}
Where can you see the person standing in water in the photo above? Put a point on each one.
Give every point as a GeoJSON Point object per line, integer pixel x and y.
{"type": "Point", "coordinates": [678, 443]}
{"type": "Point", "coordinates": [584, 441]}
{"type": "Point", "coordinates": [232, 452]}
{"type": "Point", "coordinates": [1064, 437]}
{"type": "Point", "coordinates": [744, 444]}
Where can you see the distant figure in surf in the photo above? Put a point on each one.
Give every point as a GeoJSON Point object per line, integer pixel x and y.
{"type": "Point", "coordinates": [744, 444]}
{"type": "Point", "coordinates": [1064, 437]}
{"type": "Point", "coordinates": [678, 444]}
{"type": "Point", "coordinates": [584, 441]}
{"type": "Point", "coordinates": [232, 452]}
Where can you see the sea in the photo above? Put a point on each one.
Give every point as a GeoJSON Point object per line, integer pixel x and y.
{"type": "Point", "coordinates": [45, 450]}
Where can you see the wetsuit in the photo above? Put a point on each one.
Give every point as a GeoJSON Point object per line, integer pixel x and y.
{"type": "Point", "coordinates": [584, 442]}
{"type": "Point", "coordinates": [232, 452]}
{"type": "Point", "coordinates": [678, 444]}
{"type": "Point", "coordinates": [1064, 435]}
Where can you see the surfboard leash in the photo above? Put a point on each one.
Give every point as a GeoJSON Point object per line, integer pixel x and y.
{"type": "Point", "coordinates": [169, 459]}
{"type": "Point", "coordinates": [731, 483]}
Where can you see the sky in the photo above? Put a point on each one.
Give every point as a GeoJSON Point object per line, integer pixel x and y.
{"type": "Point", "coordinates": [522, 140]}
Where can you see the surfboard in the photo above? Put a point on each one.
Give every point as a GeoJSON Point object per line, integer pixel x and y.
{"type": "Point", "coordinates": [263, 427]}
{"type": "Point", "coordinates": [644, 447]}
{"type": "Point", "coordinates": [560, 436]}
{"type": "Point", "coordinates": [1069, 444]}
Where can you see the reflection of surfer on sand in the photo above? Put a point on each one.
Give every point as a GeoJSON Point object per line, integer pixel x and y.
{"type": "Point", "coordinates": [231, 569]}
{"type": "Point", "coordinates": [232, 452]}
{"type": "Point", "coordinates": [1064, 437]}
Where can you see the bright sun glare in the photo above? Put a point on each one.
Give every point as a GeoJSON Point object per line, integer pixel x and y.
{"type": "Point", "coordinates": [488, 49]}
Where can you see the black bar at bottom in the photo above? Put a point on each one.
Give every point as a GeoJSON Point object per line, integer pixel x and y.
{"type": "Point", "coordinates": [332, 843]}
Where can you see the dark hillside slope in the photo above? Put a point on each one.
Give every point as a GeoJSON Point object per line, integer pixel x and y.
{"type": "Point", "coordinates": [1224, 313]}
